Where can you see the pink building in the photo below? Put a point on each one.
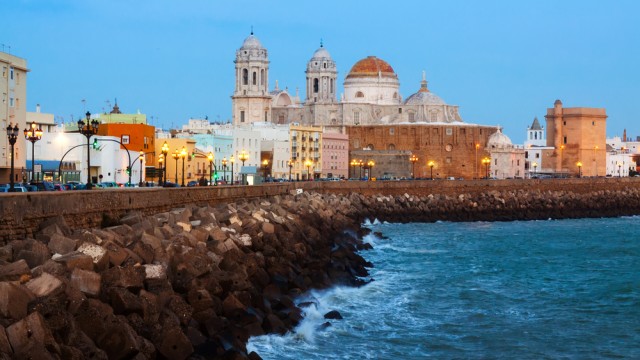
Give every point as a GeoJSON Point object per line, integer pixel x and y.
{"type": "Point", "coordinates": [335, 155]}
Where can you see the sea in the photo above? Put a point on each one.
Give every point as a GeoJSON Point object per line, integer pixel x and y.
{"type": "Point", "coordinates": [554, 289]}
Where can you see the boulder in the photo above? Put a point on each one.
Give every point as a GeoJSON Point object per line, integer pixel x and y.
{"type": "Point", "coordinates": [14, 299]}
{"type": "Point", "coordinates": [61, 244]}
{"type": "Point", "coordinates": [15, 271]}
{"type": "Point", "coordinates": [31, 333]}
{"type": "Point", "coordinates": [45, 285]}
{"type": "Point", "coordinates": [74, 260]}
{"type": "Point", "coordinates": [88, 282]}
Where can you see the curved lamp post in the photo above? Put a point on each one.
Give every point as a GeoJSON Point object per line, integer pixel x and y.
{"type": "Point", "coordinates": [354, 163]}
{"type": "Point", "coordinates": [308, 164]}
{"type": "Point", "coordinates": [535, 167]}
{"type": "Point", "coordinates": [244, 156]}
{"type": "Point", "coordinates": [176, 156]}
{"type": "Point", "coordinates": [163, 170]}
{"type": "Point", "coordinates": [88, 129]}
{"type": "Point", "coordinates": [486, 161]}
{"type": "Point", "coordinates": [183, 155]}
{"type": "Point", "coordinates": [431, 164]}
{"type": "Point", "coordinates": [210, 157]}
{"type": "Point", "coordinates": [413, 160]}
{"type": "Point", "coordinates": [141, 161]}
{"type": "Point", "coordinates": [361, 164]}
{"type": "Point", "coordinates": [161, 163]}
{"type": "Point", "coordinates": [33, 133]}
{"type": "Point", "coordinates": [12, 135]}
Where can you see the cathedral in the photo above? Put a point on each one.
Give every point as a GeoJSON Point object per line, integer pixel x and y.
{"type": "Point", "coordinates": [381, 125]}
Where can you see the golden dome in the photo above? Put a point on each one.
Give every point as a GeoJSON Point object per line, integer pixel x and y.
{"type": "Point", "coordinates": [371, 66]}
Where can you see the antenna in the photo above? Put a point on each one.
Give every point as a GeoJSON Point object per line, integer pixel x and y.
{"type": "Point", "coordinates": [251, 29]}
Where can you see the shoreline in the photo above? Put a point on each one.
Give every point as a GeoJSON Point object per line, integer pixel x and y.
{"type": "Point", "coordinates": [198, 281]}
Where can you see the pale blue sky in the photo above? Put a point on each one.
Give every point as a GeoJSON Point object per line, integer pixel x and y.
{"type": "Point", "coordinates": [502, 62]}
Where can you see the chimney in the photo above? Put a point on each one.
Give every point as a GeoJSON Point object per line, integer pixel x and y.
{"type": "Point", "coordinates": [38, 108]}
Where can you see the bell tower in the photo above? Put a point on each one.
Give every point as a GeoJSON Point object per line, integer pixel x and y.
{"type": "Point", "coordinates": [321, 78]}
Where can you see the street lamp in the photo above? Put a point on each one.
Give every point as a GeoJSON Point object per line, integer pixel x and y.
{"type": "Point", "coordinates": [210, 158]}
{"type": "Point", "coordinates": [431, 164]}
{"type": "Point", "coordinates": [475, 163]}
{"type": "Point", "coordinates": [88, 129]}
{"type": "Point", "coordinates": [224, 168]}
{"type": "Point", "coordinates": [232, 160]}
{"type": "Point", "coordinates": [535, 167]}
{"type": "Point", "coordinates": [244, 156]}
{"type": "Point", "coordinates": [265, 165]}
{"type": "Point", "coordinates": [176, 156]}
{"type": "Point", "coordinates": [361, 164]}
{"type": "Point", "coordinates": [165, 151]}
{"type": "Point", "coordinates": [579, 164]}
{"type": "Point", "coordinates": [370, 165]}
{"type": "Point", "coordinates": [486, 161]}
{"type": "Point", "coordinates": [619, 169]}
{"type": "Point", "coordinates": [290, 164]}
{"type": "Point", "coordinates": [12, 134]}
{"type": "Point", "coordinates": [308, 164]}
{"type": "Point", "coordinates": [413, 160]}
{"type": "Point", "coordinates": [33, 134]}
{"type": "Point", "coordinates": [183, 155]}
{"type": "Point", "coordinates": [354, 163]}
{"type": "Point", "coordinates": [161, 179]}
{"type": "Point", "coordinates": [141, 161]}
{"type": "Point", "coordinates": [561, 155]}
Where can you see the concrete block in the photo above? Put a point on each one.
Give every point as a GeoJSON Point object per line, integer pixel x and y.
{"type": "Point", "coordinates": [117, 255]}
{"type": "Point", "coordinates": [144, 252]}
{"type": "Point", "coordinates": [74, 260]}
{"type": "Point", "coordinates": [60, 244]}
{"type": "Point", "coordinates": [98, 254]}
{"type": "Point", "coordinates": [88, 282]}
{"type": "Point", "coordinates": [45, 285]}
{"type": "Point", "coordinates": [268, 228]}
{"type": "Point", "coordinates": [14, 299]}
{"type": "Point", "coordinates": [31, 332]}
{"type": "Point", "coordinates": [15, 271]}
{"type": "Point", "coordinates": [174, 344]}
{"type": "Point", "coordinates": [155, 272]}
{"type": "Point", "coordinates": [119, 341]}
{"type": "Point", "coordinates": [5, 347]}
{"type": "Point", "coordinates": [151, 240]}
{"type": "Point", "coordinates": [130, 277]}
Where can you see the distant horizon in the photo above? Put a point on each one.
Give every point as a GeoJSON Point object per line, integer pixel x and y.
{"type": "Point", "coordinates": [503, 63]}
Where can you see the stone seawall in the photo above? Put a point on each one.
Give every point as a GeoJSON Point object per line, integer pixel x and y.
{"type": "Point", "coordinates": [197, 280]}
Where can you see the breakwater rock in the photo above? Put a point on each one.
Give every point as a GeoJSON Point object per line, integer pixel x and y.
{"type": "Point", "coordinates": [197, 281]}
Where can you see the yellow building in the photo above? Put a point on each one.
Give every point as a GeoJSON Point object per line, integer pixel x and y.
{"type": "Point", "coordinates": [578, 136]}
{"type": "Point", "coordinates": [13, 110]}
{"type": "Point", "coordinates": [306, 154]}
{"type": "Point", "coordinates": [181, 165]}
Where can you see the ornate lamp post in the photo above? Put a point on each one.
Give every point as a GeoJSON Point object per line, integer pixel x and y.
{"type": "Point", "coordinates": [308, 164]}
{"type": "Point", "coordinates": [413, 160]}
{"type": "Point", "coordinates": [224, 169]}
{"type": "Point", "coordinates": [88, 129]}
{"type": "Point", "coordinates": [265, 166]}
{"type": "Point", "coordinates": [486, 161]}
{"type": "Point", "coordinates": [12, 134]}
{"type": "Point", "coordinates": [232, 160]}
{"type": "Point", "coordinates": [183, 155]}
{"type": "Point", "coordinates": [579, 165]}
{"type": "Point", "coordinates": [290, 164]}
{"type": "Point", "coordinates": [619, 169]}
{"type": "Point", "coordinates": [354, 163]}
{"type": "Point", "coordinates": [176, 156]}
{"type": "Point", "coordinates": [141, 161]}
{"type": "Point", "coordinates": [244, 156]}
{"type": "Point", "coordinates": [33, 134]}
{"type": "Point", "coordinates": [361, 164]}
{"type": "Point", "coordinates": [210, 158]}
{"type": "Point", "coordinates": [165, 151]}
{"type": "Point", "coordinates": [535, 167]}
{"type": "Point", "coordinates": [370, 165]}
{"type": "Point", "coordinates": [431, 164]}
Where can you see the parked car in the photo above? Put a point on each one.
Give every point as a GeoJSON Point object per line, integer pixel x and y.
{"type": "Point", "coordinates": [44, 186]}
{"type": "Point", "coordinates": [170, 184]}
{"type": "Point", "coordinates": [109, 184]}
{"type": "Point", "coordinates": [59, 187]}
{"type": "Point", "coordinates": [192, 183]}
{"type": "Point", "coordinates": [30, 187]}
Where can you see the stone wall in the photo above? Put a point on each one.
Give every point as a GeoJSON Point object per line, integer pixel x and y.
{"type": "Point", "coordinates": [22, 213]}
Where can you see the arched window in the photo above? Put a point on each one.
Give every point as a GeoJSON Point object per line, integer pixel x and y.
{"type": "Point", "coordinates": [391, 147]}
{"type": "Point", "coordinates": [370, 146]}
{"type": "Point", "coordinates": [359, 94]}
{"type": "Point", "coordinates": [315, 85]}
{"type": "Point", "coordinates": [245, 77]}
{"type": "Point", "coordinates": [325, 65]}
{"type": "Point", "coordinates": [536, 136]}
{"type": "Point", "coordinates": [412, 117]}
{"type": "Point", "coordinates": [255, 78]}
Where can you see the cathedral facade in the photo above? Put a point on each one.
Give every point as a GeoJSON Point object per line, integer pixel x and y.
{"type": "Point", "coordinates": [371, 111]}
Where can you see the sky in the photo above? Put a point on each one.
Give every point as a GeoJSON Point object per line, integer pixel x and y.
{"type": "Point", "coordinates": [502, 62]}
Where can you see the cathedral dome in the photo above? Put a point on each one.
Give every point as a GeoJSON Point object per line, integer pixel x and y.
{"type": "Point", "coordinates": [424, 96]}
{"type": "Point", "coordinates": [499, 140]}
{"type": "Point", "coordinates": [372, 66]}
{"type": "Point", "coordinates": [321, 53]}
{"type": "Point", "coordinates": [251, 42]}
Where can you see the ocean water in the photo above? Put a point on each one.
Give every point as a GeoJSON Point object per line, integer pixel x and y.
{"type": "Point", "coordinates": [556, 289]}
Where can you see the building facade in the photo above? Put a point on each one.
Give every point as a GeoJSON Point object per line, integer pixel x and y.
{"type": "Point", "coordinates": [13, 90]}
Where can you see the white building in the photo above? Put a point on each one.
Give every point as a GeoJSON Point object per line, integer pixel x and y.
{"type": "Point", "coordinates": [507, 160]}
{"type": "Point", "coordinates": [534, 148]}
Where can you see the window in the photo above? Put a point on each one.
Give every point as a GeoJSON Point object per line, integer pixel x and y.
{"type": "Point", "coordinates": [262, 77]}
{"type": "Point", "coordinates": [412, 117]}
{"type": "Point", "coordinates": [324, 65]}
{"type": "Point", "coordinates": [495, 161]}
{"type": "Point", "coordinates": [254, 78]}
{"type": "Point", "coordinates": [359, 94]}
{"type": "Point", "coordinates": [399, 110]}
{"type": "Point", "coordinates": [391, 147]}
{"type": "Point", "coordinates": [564, 123]}
{"type": "Point", "coordinates": [315, 85]}
{"type": "Point", "coordinates": [11, 73]}
{"type": "Point", "coordinates": [526, 154]}
{"type": "Point", "coordinates": [565, 140]}
{"type": "Point", "coordinates": [392, 131]}
{"type": "Point", "coordinates": [17, 78]}
{"type": "Point", "coordinates": [265, 116]}
{"type": "Point", "coordinates": [537, 155]}
{"type": "Point", "coordinates": [518, 162]}
{"type": "Point", "coordinates": [449, 131]}
{"type": "Point", "coordinates": [4, 71]}
{"type": "Point", "coordinates": [124, 139]}
{"type": "Point", "coordinates": [331, 85]}
{"type": "Point", "coordinates": [17, 103]}
{"type": "Point", "coordinates": [242, 116]}
{"type": "Point", "coordinates": [356, 117]}
{"type": "Point", "coordinates": [245, 77]}
{"type": "Point", "coordinates": [10, 102]}
{"type": "Point", "coordinates": [281, 119]}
